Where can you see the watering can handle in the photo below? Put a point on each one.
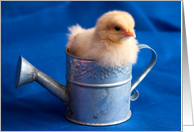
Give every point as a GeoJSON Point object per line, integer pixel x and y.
{"type": "Point", "coordinates": [144, 72]}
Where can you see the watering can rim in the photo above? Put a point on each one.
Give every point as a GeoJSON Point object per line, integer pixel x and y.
{"type": "Point", "coordinates": [18, 72]}
{"type": "Point", "coordinates": [76, 57]}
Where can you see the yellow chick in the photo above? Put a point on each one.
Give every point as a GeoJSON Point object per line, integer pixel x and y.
{"type": "Point", "coordinates": [111, 43]}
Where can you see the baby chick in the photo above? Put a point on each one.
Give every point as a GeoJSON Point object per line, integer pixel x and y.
{"type": "Point", "coordinates": [111, 43]}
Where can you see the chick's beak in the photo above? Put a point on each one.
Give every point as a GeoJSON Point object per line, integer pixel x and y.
{"type": "Point", "coordinates": [130, 33]}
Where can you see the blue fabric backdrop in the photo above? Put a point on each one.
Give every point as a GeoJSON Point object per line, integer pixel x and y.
{"type": "Point", "coordinates": [37, 31]}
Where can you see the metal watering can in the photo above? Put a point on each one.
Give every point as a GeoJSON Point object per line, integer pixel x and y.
{"type": "Point", "coordinates": [94, 95]}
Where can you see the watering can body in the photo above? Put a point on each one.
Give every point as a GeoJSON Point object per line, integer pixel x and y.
{"type": "Point", "coordinates": [94, 95]}
{"type": "Point", "coordinates": [97, 95]}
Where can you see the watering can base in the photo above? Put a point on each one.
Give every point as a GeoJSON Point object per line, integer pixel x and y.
{"type": "Point", "coordinates": [99, 124]}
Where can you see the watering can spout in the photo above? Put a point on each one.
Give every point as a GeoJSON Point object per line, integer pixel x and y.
{"type": "Point", "coordinates": [26, 73]}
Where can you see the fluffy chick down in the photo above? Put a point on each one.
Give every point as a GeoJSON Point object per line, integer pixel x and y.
{"type": "Point", "coordinates": [111, 43]}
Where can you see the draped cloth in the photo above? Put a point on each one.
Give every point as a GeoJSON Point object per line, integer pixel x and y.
{"type": "Point", "coordinates": [37, 31]}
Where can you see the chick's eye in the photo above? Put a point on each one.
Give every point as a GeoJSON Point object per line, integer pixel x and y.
{"type": "Point", "coordinates": [117, 28]}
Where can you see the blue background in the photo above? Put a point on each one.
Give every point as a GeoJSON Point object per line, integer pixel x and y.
{"type": "Point", "coordinates": [37, 31]}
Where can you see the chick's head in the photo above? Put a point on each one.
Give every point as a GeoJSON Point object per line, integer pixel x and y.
{"type": "Point", "coordinates": [115, 25]}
